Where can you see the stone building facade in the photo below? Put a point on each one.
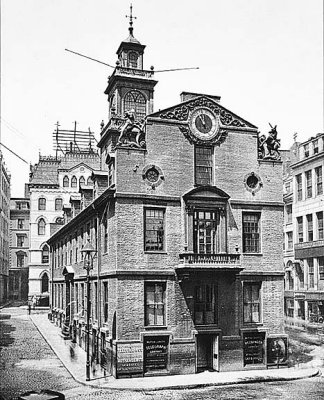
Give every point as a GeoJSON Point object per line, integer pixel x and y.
{"type": "Point", "coordinates": [304, 241]}
{"type": "Point", "coordinates": [19, 248]}
{"type": "Point", "coordinates": [53, 180]}
{"type": "Point", "coordinates": [187, 227]}
{"type": "Point", "coordinates": [4, 229]}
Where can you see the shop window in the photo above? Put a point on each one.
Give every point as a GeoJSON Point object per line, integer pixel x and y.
{"type": "Point", "coordinates": [251, 232]}
{"type": "Point", "coordinates": [319, 180]}
{"type": "Point", "coordinates": [309, 218]}
{"type": "Point", "coordinates": [300, 229]}
{"type": "Point", "coordinates": [66, 181]}
{"type": "Point", "coordinates": [42, 203]}
{"type": "Point", "coordinates": [299, 187]}
{"type": "Point", "coordinates": [203, 165]}
{"type": "Point", "coordinates": [308, 175]}
{"type": "Point", "coordinates": [74, 182]}
{"type": "Point", "coordinates": [105, 301]}
{"type": "Point", "coordinates": [44, 283]}
{"type": "Point", "coordinates": [154, 229]}
{"type": "Point", "coordinates": [251, 300]}
{"type": "Point", "coordinates": [41, 226]}
{"type": "Point", "coordinates": [45, 254]}
{"type": "Point", "coordinates": [135, 100]}
{"type": "Point", "coordinates": [155, 304]}
{"type": "Point", "coordinates": [319, 217]}
{"type": "Point", "coordinates": [58, 204]}
{"type": "Point", "coordinates": [206, 304]}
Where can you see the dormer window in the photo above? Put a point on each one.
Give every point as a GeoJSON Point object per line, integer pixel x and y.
{"type": "Point", "coordinates": [135, 100]}
{"type": "Point", "coordinates": [315, 146]}
{"type": "Point", "coordinates": [132, 59]}
{"type": "Point", "coordinates": [306, 150]}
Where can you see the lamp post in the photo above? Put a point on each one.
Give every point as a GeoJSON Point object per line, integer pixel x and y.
{"type": "Point", "coordinates": [88, 254]}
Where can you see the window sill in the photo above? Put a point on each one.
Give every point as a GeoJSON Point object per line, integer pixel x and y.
{"type": "Point", "coordinates": [157, 327]}
{"type": "Point", "coordinates": [154, 252]}
{"type": "Point", "coordinates": [253, 254]}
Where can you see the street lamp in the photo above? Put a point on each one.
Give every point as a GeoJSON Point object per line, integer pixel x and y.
{"type": "Point", "coordinates": [88, 253]}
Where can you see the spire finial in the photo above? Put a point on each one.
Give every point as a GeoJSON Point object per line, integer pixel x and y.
{"type": "Point", "coordinates": [131, 20]}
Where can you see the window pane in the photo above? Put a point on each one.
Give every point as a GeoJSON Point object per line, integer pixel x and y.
{"type": "Point", "coordinates": [154, 230]}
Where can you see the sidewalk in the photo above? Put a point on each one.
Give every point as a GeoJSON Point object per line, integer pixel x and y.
{"type": "Point", "coordinates": [76, 367]}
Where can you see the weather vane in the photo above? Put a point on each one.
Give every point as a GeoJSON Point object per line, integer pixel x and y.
{"type": "Point", "coordinates": [131, 19]}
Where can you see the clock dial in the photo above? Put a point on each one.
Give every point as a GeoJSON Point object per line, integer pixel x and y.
{"type": "Point", "coordinates": [203, 123]}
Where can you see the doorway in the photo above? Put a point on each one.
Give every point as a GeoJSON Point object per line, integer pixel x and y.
{"type": "Point", "coordinates": [207, 352]}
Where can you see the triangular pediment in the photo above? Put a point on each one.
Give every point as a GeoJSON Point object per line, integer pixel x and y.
{"type": "Point", "coordinates": [181, 113]}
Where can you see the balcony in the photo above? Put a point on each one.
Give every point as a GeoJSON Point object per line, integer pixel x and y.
{"type": "Point", "coordinates": [210, 261]}
{"type": "Point", "coordinates": [309, 249]}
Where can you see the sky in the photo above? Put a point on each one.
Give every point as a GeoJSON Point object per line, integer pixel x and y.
{"type": "Point", "coordinates": [263, 57]}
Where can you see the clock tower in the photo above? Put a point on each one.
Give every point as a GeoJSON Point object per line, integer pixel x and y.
{"type": "Point", "coordinates": [130, 87]}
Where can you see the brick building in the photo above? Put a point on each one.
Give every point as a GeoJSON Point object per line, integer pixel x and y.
{"type": "Point", "coordinates": [4, 229]}
{"type": "Point", "coordinates": [186, 220]}
{"type": "Point", "coordinates": [304, 240]}
{"type": "Point", "coordinates": [19, 247]}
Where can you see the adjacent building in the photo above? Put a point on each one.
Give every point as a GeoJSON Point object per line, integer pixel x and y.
{"type": "Point", "coordinates": [186, 219]}
{"type": "Point", "coordinates": [4, 229]}
{"type": "Point", "coordinates": [53, 180]}
{"type": "Point", "coordinates": [304, 261]}
{"type": "Point", "coordinates": [19, 248]}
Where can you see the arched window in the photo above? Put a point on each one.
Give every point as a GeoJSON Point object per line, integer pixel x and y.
{"type": "Point", "coordinates": [82, 180]}
{"type": "Point", "coordinates": [45, 254]}
{"type": "Point", "coordinates": [135, 100]}
{"type": "Point", "coordinates": [132, 59]}
{"type": "Point", "coordinates": [58, 204]}
{"type": "Point", "coordinates": [74, 182]}
{"type": "Point", "coordinates": [41, 226]}
{"type": "Point", "coordinates": [44, 284]}
{"type": "Point", "coordinates": [66, 181]}
{"type": "Point", "coordinates": [89, 181]}
{"type": "Point", "coordinates": [42, 203]}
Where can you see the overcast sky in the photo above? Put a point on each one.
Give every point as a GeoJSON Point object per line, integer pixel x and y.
{"type": "Point", "coordinates": [263, 57]}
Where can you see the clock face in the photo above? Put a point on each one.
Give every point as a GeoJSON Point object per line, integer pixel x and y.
{"type": "Point", "coordinates": [203, 123]}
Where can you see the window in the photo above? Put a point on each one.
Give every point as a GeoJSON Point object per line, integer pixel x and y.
{"type": "Point", "coordinates": [82, 299]}
{"type": "Point", "coordinates": [319, 217]}
{"type": "Point", "coordinates": [308, 175]}
{"type": "Point", "coordinates": [82, 180]}
{"type": "Point", "coordinates": [111, 168]}
{"type": "Point", "coordinates": [251, 300]}
{"type": "Point", "coordinates": [132, 59]}
{"type": "Point", "coordinates": [155, 304]}
{"type": "Point", "coordinates": [20, 240]}
{"type": "Point", "coordinates": [41, 226]}
{"type": "Point", "coordinates": [66, 182]}
{"type": "Point", "coordinates": [206, 304]}
{"type": "Point", "coordinates": [89, 181]}
{"type": "Point", "coordinates": [135, 100]}
{"type": "Point", "coordinates": [321, 268]}
{"type": "Point", "coordinates": [289, 214]}
{"type": "Point", "coordinates": [290, 281]}
{"type": "Point", "coordinates": [206, 234]}
{"type": "Point", "coordinates": [310, 263]}
{"type": "Point", "coordinates": [251, 232]}
{"type": "Point", "coordinates": [309, 218]}
{"type": "Point", "coordinates": [74, 182]}
{"type": "Point", "coordinates": [105, 301]}
{"type": "Point", "coordinates": [203, 165]}
{"type": "Point", "coordinates": [45, 254]}
{"type": "Point", "coordinates": [299, 187]}
{"type": "Point", "coordinates": [306, 150]}
{"type": "Point", "coordinates": [20, 223]}
{"type": "Point", "coordinates": [315, 146]}
{"type": "Point", "coordinates": [44, 283]}
{"type": "Point", "coordinates": [76, 288]}
{"type": "Point", "coordinates": [300, 229]}
{"type": "Point", "coordinates": [154, 229]}
{"type": "Point", "coordinates": [58, 204]}
{"type": "Point", "coordinates": [290, 240]}
{"type": "Point", "coordinates": [319, 180]}
{"type": "Point", "coordinates": [20, 260]}
{"type": "Point", "coordinates": [42, 203]}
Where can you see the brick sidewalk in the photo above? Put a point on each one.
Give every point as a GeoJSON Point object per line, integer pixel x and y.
{"type": "Point", "coordinates": [76, 366]}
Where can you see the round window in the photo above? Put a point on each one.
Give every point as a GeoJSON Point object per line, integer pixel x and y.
{"type": "Point", "coordinates": [152, 175]}
{"type": "Point", "coordinates": [252, 181]}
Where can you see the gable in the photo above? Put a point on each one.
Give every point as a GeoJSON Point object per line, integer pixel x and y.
{"type": "Point", "coordinates": [181, 113]}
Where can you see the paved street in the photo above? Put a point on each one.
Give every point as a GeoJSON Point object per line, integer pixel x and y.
{"type": "Point", "coordinates": [28, 363]}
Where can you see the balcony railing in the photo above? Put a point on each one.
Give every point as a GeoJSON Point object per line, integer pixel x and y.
{"type": "Point", "coordinates": [218, 260]}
